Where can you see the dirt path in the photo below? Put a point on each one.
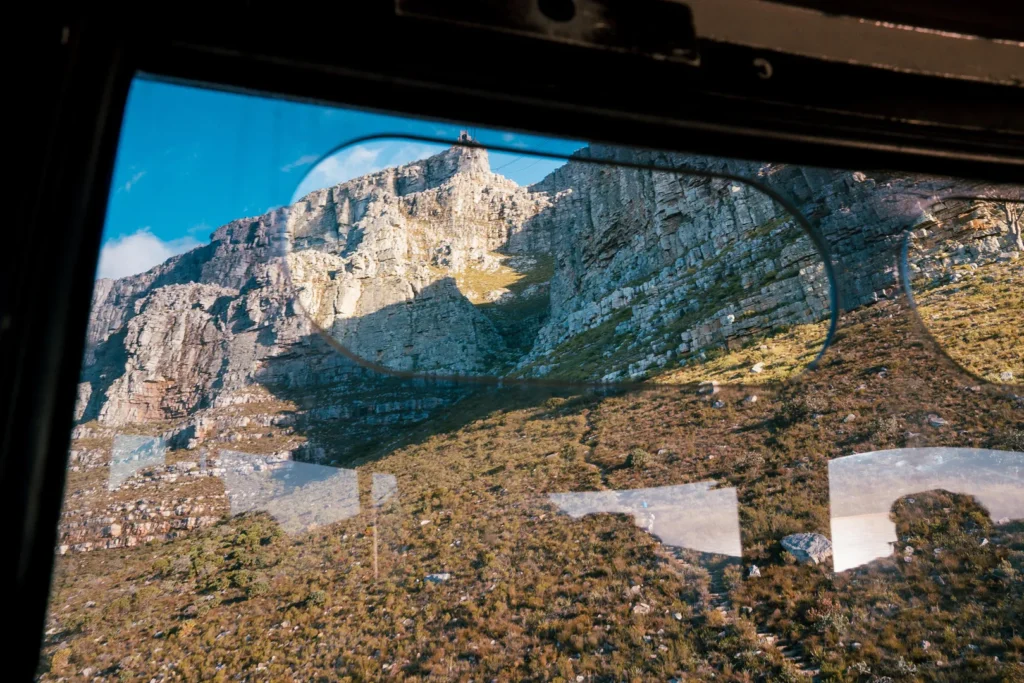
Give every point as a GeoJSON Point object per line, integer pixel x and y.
{"type": "Point", "coordinates": [718, 599]}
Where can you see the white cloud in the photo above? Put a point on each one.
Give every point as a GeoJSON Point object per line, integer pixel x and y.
{"type": "Point", "coordinates": [131, 182]}
{"type": "Point", "coordinates": [304, 160]}
{"type": "Point", "coordinates": [138, 252]}
{"type": "Point", "coordinates": [360, 160]}
{"type": "Point", "coordinates": [198, 229]}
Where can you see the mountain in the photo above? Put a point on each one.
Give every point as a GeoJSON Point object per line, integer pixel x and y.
{"type": "Point", "coordinates": [443, 267]}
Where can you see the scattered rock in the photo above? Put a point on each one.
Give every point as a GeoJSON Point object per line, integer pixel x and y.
{"type": "Point", "coordinates": [112, 531]}
{"type": "Point", "coordinates": [708, 388]}
{"type": "Point", "coordinates": [424, 522]}
{"type": "Point", "coordinates": [678, 616]}
{"type": "Point", "coordinates": [757, 368]}
{"type": "Point", "coordinates": [1006, 376]}
{"type": "Point", "coordinates": [750, 399]}
{"type": "Point", "coordinates": [641, 608]}
{"type": "Point", "coordinates": [936, 421]}
{"type": "Point", "coordinates": [438, 578]}
{"type": "Point", "coordinates": [754, 573]}
{"type": "Point", "coordinates": [717, 404]}
{"type": "Point", "coordinates": [849, 418]}
{"type": "Point", "coordinates": [1003, 520]}
{"type": "Point", "coordinates": [808, 548]}
{"type": "Point", "coordinates": [925, 645]}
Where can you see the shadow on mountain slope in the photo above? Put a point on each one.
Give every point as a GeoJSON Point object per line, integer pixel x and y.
{"type": "Point", "coordinates": [349, 410]}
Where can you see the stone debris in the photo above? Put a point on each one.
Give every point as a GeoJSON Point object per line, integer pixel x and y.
{"type": "Point", "coordinates": [438, 578]}
{"type": "Point", "coordinates": [708, 388]}
{"type": "Point", "coordinates": [808, 548]}
{"type": "Point", "coordinates": [935, 421]}
{"type": "Point", "coordinates": [641, 608]}
{"type": "Point", "coordinates": [754, 573]}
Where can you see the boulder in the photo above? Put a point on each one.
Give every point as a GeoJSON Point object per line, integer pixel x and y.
{"type": "Point", "coordinates": [808, 548]}
{"type": "Point", "coordinates": [438, 578]}
{"type": "Point", "coordinates": [708, 388]}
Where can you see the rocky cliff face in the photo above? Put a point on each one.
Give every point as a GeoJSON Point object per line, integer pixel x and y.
{"type": "Point", "coordinates": [443, 267]}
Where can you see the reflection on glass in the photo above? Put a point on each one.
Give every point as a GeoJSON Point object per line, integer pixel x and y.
{"type": "Point", "coordinates": [863, 487]}
{"type": "Point", "coordinates": [965, 266]}
{"type": "Point", "coordinates": [132, 453]}
{"type": "Point", "coordinates": [694, 516]}
{"type": "Point", "coordinates": [298, 495]}
{"type": "Point", "coordinates": [444, 267]}
{"type": "Point", "coordinates": [383, 487]}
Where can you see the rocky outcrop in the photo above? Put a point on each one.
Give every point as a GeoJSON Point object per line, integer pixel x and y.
{"type": "Point", "coordinates": [808, 548]}
{"type": "Point", "coordinates": [444, 267]}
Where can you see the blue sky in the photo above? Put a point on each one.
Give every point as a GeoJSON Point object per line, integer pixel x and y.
{"type": "Point", "coordinates": [191, 159]}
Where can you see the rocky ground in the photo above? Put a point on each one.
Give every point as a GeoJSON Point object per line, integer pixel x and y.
{"type": "Point", "coordinates": [470, 572]}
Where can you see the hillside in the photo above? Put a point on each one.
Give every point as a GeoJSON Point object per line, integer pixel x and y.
{"type": "Point", "coordinates": [538, 595]}
{"type": "Point", "coordinates": [244, 499]}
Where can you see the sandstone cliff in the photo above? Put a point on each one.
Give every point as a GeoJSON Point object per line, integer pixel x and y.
{"type": "Point", "coordinates": [444, 267]}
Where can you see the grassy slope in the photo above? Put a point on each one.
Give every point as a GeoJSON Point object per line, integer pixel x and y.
{"type": "Point", "coordinates": [535, 595]}
{"type": "Point", "coordinates": [589, 355]}
{"type": "Point", "coordinates": [979, 320]}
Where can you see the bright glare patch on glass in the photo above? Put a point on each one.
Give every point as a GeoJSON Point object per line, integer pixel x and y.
{"type": "Point", "coordinates": [863, 488]}
{"type": "Point", "coordinates": [383, 488]}
{"type": "Point", "coordinates": [598, 273]}
{"type": "Point", "coordinates": [692, 516]}
{"type": "Point", "coordinates": [300, 496]}
{"type": "Point", "coordinates": [131, 454]}
{"type": "Point", "coordinates": [965, 265]}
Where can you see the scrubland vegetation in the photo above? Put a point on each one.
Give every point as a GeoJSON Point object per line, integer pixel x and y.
{"type": "Point", "coordinates": [479, 577]}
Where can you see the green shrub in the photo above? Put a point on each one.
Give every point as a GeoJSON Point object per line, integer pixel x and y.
{"type": "Point", "coordinates": [257, 588]}
{"type": "Point", "coordinates": [60, 661]}
{"type": "Point", "coordinates": [241, 578]}
{"type": "Point", "coordinates": [317, 598]}
{"type": "Point", "coordinates": [637, 458]}
{"type": "Point", "coordinates": [79, 623]}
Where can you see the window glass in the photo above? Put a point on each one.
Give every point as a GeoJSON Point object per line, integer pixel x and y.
{"type": "Point", "coordinates": [375, 397]}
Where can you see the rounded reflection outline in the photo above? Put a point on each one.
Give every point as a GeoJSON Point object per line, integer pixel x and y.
{"type": "Point", "coordinates": [817, 240]}
{"type": "Point", "coordinates": [903, 267]}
